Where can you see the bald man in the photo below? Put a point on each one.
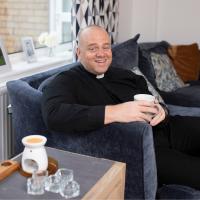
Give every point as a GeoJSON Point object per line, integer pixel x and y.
{"type": "Point", "coordinates": [94, 94]}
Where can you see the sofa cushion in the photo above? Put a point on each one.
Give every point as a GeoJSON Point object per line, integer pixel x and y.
{"type": "Point", "coordinates": [177, 192]}
{"type": "Point", "coordinates": [137, 71]}
{"type": "Point", "coordinates": [187, 96]}
{"type": "Point", "coordinates": [183, 110]}
{"type": "Point", "coordinates": [145, 64]}
{"type": "Point", "coordinates": [186, 60]}
{"type": "Point", "coordinates": [166, 77]}
{"type": "Point", "coordinates": [146, 67]}
{"type": "Point", "coordinates": [125, 54]}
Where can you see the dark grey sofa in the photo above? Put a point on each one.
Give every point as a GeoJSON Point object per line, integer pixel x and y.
{"type": "Point", "coordinates": [188, 96]}
{"type": "Point", "coordinates": [131, 143]}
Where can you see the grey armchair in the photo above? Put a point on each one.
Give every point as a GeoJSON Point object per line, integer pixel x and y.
{"type": "Point", "coordinates": [130, 143]}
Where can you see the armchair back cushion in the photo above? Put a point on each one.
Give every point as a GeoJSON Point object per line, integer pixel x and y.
{"type": "Point", "coordinates": [125, 54]}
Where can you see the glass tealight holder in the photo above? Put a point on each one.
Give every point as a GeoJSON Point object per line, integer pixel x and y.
{"type": "Point", "coordinates": [36, 184]}
{"type": "Point", "coordinates": [70, 189]}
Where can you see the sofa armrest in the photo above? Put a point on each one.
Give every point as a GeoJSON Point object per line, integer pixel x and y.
{"type": "Point", "coordinates": [183, 111]}
{"type": "Point", "coordinates": [26, 112]}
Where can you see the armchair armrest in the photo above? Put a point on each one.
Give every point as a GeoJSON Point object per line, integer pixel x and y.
{"type": "Point", "coordinates": [131, 143]}
{"type": "Point", "coordinates": [26, 113]}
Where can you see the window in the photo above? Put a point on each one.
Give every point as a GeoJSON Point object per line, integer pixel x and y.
{"type": "Point", "coordinates": [23, 18]}
{"type": "Point", "coordinates": [61, 19]}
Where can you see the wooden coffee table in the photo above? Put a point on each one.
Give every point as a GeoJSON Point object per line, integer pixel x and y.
{"type": "Point", "coordinates": [98, 178]}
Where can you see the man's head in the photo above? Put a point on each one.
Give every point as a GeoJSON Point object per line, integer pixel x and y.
{"type": "Point", "coordinates": [94, 49]}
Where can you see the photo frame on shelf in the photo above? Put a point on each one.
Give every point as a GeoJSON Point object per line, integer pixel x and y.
{"type": "Point", "coordinates": [28, 49]}
{"type": "Point", "coordinates": [4, 60]}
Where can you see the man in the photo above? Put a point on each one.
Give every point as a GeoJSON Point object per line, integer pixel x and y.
{"type": "Point", "coordinates": [94, 94]}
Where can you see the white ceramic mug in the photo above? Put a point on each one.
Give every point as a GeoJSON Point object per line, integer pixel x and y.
{"type": "Point", "coordinates": [144, 97]}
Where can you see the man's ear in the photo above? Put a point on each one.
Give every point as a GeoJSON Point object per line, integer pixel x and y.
{"type": "Point", "coordinates": [77, 52]}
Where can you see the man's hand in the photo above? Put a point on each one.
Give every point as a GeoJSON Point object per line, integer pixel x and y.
{"type": "Point", "coordinates": [160, 116]}
{"type": "Point", "coordinates": [135, 111]}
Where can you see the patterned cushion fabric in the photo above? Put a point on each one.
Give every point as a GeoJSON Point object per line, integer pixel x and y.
{"type": "Point", "coordinates": [125, 54]}
{"type": "Point", "coordinates": [186, 60]}
{"type": "Point", "coordinates": [145, 64]}
{"type": "Point", "coordinates": [166, 77]}
{"type": "Point", "coordinates": [137, 71]}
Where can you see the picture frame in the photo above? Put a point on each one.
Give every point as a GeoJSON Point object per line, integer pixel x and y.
{"type": "Point", "coordinates": [4, 59]}
{"type": "Point", "coordinates": [28, 49]}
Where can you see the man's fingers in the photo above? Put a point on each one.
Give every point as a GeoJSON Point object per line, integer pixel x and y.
{"type": "Point", "coordinates": [158, 118]}
{"type": "Point", "coordinates": [146, 116]}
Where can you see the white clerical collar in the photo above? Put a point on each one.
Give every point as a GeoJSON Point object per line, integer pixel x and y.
{"type": "Point", "coordinates": [100, 76]}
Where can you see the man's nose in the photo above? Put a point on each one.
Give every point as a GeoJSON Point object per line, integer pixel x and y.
{"type": "Point", "coordinates": [100, 52]}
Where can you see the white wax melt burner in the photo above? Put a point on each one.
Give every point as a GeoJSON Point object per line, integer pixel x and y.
{"type": "Point", "coordinates": [34, 156]}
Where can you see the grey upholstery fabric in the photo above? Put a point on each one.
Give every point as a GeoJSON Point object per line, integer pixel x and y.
{"type": "Point", "coordinates": [183, 111]}
{"type": "Point", "coordinates": [46, 82]}
{"type": "Point", "coordinates": [125, 55]}
{"type": "Point", "coordinates": [187, 96]}
{"type": "Point", "coordinates": [177, 192]}
{"type": "Point", "coordinates": [131, 143]}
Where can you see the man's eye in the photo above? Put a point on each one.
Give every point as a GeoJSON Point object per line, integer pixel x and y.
{"type": "Point", "coordinates": [92, 49]}
{"type": "Point", "coordinates": [106, 47]}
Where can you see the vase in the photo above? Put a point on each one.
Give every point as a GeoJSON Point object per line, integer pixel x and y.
{"type": "Point", "coordinates": [51, 51]}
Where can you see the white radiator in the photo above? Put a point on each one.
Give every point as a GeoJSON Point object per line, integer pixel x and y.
{"type": "Point", "coordinates": [6, 136]}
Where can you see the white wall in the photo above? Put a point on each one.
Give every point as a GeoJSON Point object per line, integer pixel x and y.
{"type": "Point", "coordinates": [137, 16]}
{"type": "Point", "coordinates": [179, 21]}
{"type": "Point", "coordinates": [176, 21]}
{"type": "Point", "coordinates": [125, 14]}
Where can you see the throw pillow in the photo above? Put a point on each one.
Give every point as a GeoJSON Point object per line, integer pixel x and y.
{"type": "Point", "coordinates": [137, 71]}
{"type": "Point", "coordinates": [146, 67]}
{"type": "Point", "coordinates": [145, 64]}
{"type": "Point", "coordinates": [166, 77]}
{"type": "Point", "coordinates": [155, 47]}
{"type": "Point", "coordinates": [125, 54]}
{"type": "Point", "coordinates": [186, 60]}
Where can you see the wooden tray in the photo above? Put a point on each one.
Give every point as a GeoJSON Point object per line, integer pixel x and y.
{"type": "Point", "coordinates": [52, 168]}
{"type": "Point", "coordinates": [7, 167]}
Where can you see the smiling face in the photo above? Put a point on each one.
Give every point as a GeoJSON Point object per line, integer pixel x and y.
{"type": "Point", "coordinates": [94, 50]}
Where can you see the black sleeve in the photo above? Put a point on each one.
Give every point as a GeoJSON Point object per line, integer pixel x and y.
{"type": "Point", "coordinates": [61, 112]}
{"type": "Point", "coordinates": [141, 82]}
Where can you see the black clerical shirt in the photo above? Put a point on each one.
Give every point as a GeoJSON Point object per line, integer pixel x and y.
{"type": "Point", "coordinates": [75, 100]}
